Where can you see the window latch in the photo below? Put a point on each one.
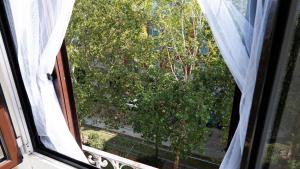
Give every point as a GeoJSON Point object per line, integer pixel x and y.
{"type": "Point", "coordinates": [49, 76]}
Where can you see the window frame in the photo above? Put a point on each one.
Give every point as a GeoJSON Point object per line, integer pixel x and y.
{"type": "Point", "coordinates": [263, 107]}
{"type": "Point", "coordinates": [64, 90]}
{"type": "Point", "coordinates": [12, 156]}
{"type": "Point", "coordinates": [37, 146]}
{"type": "Point", "coordinates": [235, 115]}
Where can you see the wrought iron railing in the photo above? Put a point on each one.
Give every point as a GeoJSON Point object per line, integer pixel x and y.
{"type": "Point", "coordinates": [102, 159]}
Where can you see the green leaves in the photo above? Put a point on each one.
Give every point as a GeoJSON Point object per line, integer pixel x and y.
{"type": "Point", "coordinates": [140, 62]}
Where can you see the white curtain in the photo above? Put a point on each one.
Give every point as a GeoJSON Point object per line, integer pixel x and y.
{"type": "Point", "coordinates": [231, 31]}
{"type": "Point", "coordinates": [239, 28]}
{"type": "Point", "coordinates": [39, 28]}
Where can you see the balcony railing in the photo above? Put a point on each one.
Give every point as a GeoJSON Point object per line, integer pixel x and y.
{"type": "Point", "coordinates": [101, 159]}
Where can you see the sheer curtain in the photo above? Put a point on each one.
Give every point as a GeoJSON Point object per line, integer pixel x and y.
{"type": "Point", "coordinates": [239, 27]}
{"type": "Point", "coordinates": [231, 31]}
{"type": "Point", "coordinates": [39, 28]}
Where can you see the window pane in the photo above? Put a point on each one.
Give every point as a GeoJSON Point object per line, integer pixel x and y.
{"type": "Point", "coordinates": [2, 152]}
{"type": "Point", "coordinates": [282, 150]}
{"type": "Point", "coordinates": [2, 145]}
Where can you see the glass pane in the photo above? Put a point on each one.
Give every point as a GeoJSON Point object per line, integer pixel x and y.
{"type": "Point", "coordinates": [2, 146]}
{"type": "Point", "coordinates": [2, 152]}
{"type": "Point", "coordinates": [282, 150]}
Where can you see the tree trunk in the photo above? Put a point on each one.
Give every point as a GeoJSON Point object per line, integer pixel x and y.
{"type": "Point", "coordinates": [291, 153]}
{"type": "Point", "coordinates": [177, 159]}
{"type": "Point", "coordinates": [156, 150]}
{"type": "Point", "coordinates": [156, 141]}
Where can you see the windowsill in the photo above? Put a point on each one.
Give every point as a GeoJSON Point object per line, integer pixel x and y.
{"type": "Point", "coordinates": [37, 160]}
{"type": "Point", "coordinates": [101, 158]}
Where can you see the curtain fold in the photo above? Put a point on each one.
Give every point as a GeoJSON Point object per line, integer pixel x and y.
{"type": "Point", "coordinates": [239, 28]}
{"type": "Point", "coordinates": [233, 35]}
{"type": "Point", "coordinates": [39, 28]}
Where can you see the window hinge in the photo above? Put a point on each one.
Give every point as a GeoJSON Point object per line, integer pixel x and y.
{"type": "Point", "coordinates": [24, 148]}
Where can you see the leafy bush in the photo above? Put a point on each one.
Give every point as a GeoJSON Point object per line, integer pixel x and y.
{"type": "Point", "coordinates": [93, 139]}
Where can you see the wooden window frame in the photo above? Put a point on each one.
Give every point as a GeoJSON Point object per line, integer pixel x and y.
{"type": "Point", "coordinates": [64, 90]}
{"type": "Point", "coordinates": [12, 154]}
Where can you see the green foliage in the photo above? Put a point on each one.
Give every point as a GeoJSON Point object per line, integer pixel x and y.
{"type": "Point", "coordinates": [152, 64]}
{"type": "Point", "coordinates": [294, 164]}
{"type": "Point", "coordinates": [106, 48]}
{"type": "Point", "coordinates": [94, 140]}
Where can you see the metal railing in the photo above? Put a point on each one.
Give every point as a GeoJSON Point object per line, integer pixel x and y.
{"type": "Point", "coordinates": [101, 159]}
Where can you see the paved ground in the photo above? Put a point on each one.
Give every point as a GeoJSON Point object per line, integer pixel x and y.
{"type": "Point", "coordinates": [137, 150]}
{"type": "Point", "coordinates": [213, 148]}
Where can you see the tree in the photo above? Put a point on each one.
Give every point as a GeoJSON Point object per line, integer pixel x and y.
{"type": "Point", "coordinates": [190, 82]}
{"type": "Point", "coordinates": [150, 116]}
{"type": "Point", "coordinates": [176, 113]}
{"type": "Point", "coordinates": [108, 47]}
{"type": "Point", "coordinates": [153, 64]}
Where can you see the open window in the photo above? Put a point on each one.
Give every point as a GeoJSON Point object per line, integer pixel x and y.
{"type": "Point", "coordinates": [136, 101]}
{"type": "Point", "coordinates": [125, 83]}
{"type": "Point", "coordinates": [214, 121]}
